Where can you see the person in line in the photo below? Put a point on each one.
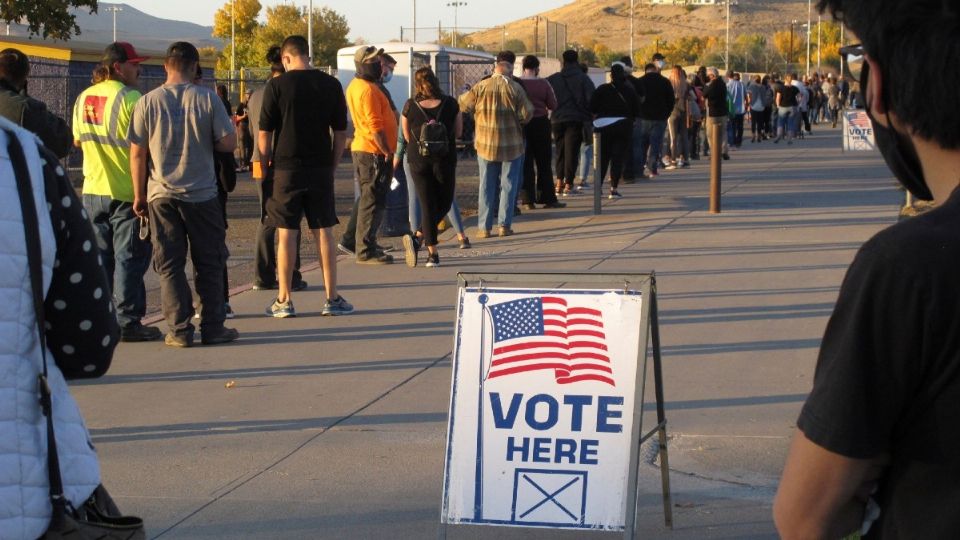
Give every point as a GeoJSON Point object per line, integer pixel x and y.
{"type": "Point", "coordinates": [832, 93]}
{"type": "Point", "coordinates": [243, 132]}
{"type": "Point", "coordinates": [23, 110]}
{"type": "Point", "coordinates": [768, 96]}
{"type": "Point", "coordinates": [265, 251]}
{"type": "Point", "coordinates": [679, 149]}
{"type": "Point", "coordinates": [433, 164]}
{"type": "Point", "coordinates": [81, 334]}
{"type": "Point", "coordinates": [657, 105]}
{"type": "Point", "coordinates": [537, 175]}
{"type": "Point", "coordinates": [303, 125]}
{"type": "Point", "coordinates": [572, 89]}
{"type": "Point", "coordinates": [101, 122]}
{"type": "Point", "coordinates": [697, 115]}
{"type": "Point", "coordinates": [500, 108]}
{"type": "Point", "coordinates": [737, 98]}
{"type": "Point", "coordinates": [348, 239]}
{"type": "Point", "coordinates": [756, 106]}
{"type": "Point", "coordinates": [373, 147]}
{"type": "Point", "coordinates": [224, 96]}
{"type": "Point", "coordinates": [585, 164]}
{"type": "Point", "coordinates": [172, 164]}
{"type": "Point", "coordinates": [617, 102]}
{"type": "Point", "coordinates": [877, 452]}
{"type": "Point", "coordinates": [717, 113]}
{"type": "Point", "coordinates": [786, 98]}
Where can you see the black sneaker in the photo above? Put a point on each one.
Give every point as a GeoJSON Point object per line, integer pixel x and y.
{"type": "Point", "coordinates": [138, 332]}
{"type": "Point", "coordinates": [433, 260]}
{"type": "Point", "coordinates": [555, 204]}
{"type": "Point", "coordinates": [410, 250]}
{"type": "Point", "coordinates": [376, 258]}
{"type": "Point", "coordinates": [221, 335]}
{"type": "Point", "coordinates": [261, 286]}
{"type": "Point", "coordinates": [346, 250]}
{"type": "Point", "coordinates": [299, 286]}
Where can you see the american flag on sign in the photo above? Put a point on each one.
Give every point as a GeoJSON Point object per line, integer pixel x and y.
{"type": "Point", "coordinates": [539, 333]}
{"type": "Point", "coordinates": [859, 120]}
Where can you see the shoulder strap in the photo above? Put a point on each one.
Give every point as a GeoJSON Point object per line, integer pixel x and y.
{"type": "Point", "coordinates": [31, 231]}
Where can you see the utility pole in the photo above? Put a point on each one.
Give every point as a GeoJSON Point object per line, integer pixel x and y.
{"type": "Point", "coordinates": [631, 30]}
{"type": "Point", "coordinates": [233, 39]}
{"type": "Point", "coordinates": [726, 59]}
{"type": "Point", "coordinates": [818, 44]}
{"type": "Point", "coordinates": [414, 21]}
{"type": "Point", "coordinates": [456, 8]}
{"type": "Point", "coordinates": [790, 60]}
{"type": "Point", "coordinates": [809, 29]}
{"type": "Point", "coordinates": [536, 35]}
{"type": "Point", "coordinates": [113, 9]}
{"type": "Point", "coordinates": [841, 45]}
{"type": "Point", "coordinates": [309, 31]}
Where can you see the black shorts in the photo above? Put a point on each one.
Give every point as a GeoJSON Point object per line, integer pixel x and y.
{"type": "Point", "coordinates": [296, 193]}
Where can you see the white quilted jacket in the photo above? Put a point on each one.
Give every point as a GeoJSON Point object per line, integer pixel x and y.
{"type": "Point", "coordinates": [24, 497]}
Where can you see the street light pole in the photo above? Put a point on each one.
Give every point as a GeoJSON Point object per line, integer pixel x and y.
{"type": "Point", "coordinates": [809, 20]}
{"type": "Point", "coordinates": [726, 60]}
{"type": "Point", "coordinates": [114, 9]}
{"type": "Point", "coordinates": [790, 60]}
{"type": "Point", "coordinates": [414, 21]}
{"type": "Point", "coordinates": [631, 30]}
{"type": "Point", "coordinates": [818, 44]}
{"type": "Point", "coordinates": [233, 39]}
{"type": "Point", "coordinates": [310, 31]}
{"type": "Point", "coordinates": [456, 8]}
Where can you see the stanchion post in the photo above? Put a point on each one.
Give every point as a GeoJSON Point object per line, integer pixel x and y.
{"type": "Point", "coordinates": [597, 174]}
{"type": "Point", "coordinates": [716, 149]}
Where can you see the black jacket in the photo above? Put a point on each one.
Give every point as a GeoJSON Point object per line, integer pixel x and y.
{"type": "Point", "coordinates": [614, 100]}
{"type": "Point", "coordinates": [716, 96]}
{"type": "Point", "coordinates": [573, 90]}
{"type": "Point", "coordinates": [33, 115]}
{"type": "Point", "coordinates": [657, 92]}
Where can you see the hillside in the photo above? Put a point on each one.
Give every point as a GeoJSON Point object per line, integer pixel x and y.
{"type": "Point", "coordinates": [607, 22]}
{"type": "Point", "coordinates": [141, 29]}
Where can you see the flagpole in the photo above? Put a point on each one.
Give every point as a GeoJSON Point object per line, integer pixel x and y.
{"type": "Point", "coordinates": [478, 480]}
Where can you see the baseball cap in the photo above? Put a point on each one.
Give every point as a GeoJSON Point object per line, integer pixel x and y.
{"type": "Point", "coordinates": [121, 51]}
{"type": "Point", "coordinates": [184, 50]}
{"type": "Point", "coordinates": [367, 54]}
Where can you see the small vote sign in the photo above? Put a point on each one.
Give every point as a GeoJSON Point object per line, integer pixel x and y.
{"type": "Point", "coordinates": [542, 408]}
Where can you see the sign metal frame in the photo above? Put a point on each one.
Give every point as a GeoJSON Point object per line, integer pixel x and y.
{"type": "Point", "coordinates": [645, 283]}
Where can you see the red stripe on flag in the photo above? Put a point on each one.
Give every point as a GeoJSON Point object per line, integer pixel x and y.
{"type": "Point", "coordinates": [527, 367]}
{"type": "Point", "coordinates": [533, 356]}
{"type": "Point", "coordinates": [585, 377]}
{"type": "Point", "coordinates": [588, 345]}
{"type": "Point", "coordinates": [589, 322]}
{"type": "Point", "coordinates": [583, 311]}
{"type": "Point", "coordinates": [528, 345]}
{"type": "Point", "coordinates": [592, 333]}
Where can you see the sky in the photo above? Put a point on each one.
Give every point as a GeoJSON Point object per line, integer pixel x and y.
{"type": "Point", "coordinates": [373, 20]}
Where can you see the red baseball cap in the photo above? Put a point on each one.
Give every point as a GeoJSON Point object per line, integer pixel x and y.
{"type": "Point", "coordinates": [121, 51]}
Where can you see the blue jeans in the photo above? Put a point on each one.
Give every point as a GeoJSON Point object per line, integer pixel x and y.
{"type": "Point", "coordinates": [502, 176]}
{"type": "Point", "coordinates": [785, 121]}
{"type": "Point", "coordinates": [125, 257]}
{"type": "Point", "coordinates": [586, 162]}
{"type": "Point", "coordinates": [413, 205]}
{"type": "Point", "coordinates": [649, 139]}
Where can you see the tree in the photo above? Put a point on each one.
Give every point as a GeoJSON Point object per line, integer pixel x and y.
{"type": "Point", "coordinates": [330, 31]}
{"type": "Point", "coordinates": [47, 18]}
{"type": "Point", "coordinates": [516, 45]}
{"type": "Point", "coordinates": [243, 14]}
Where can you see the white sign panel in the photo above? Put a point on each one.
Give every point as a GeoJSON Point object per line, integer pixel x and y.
{"type": "Point", "coordinates": [857, 131]}
{"type": "Point", "coordinates": [541, 409]}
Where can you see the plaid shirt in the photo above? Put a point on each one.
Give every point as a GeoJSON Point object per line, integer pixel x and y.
{"type": "Point", "coordinates": [501, 108]}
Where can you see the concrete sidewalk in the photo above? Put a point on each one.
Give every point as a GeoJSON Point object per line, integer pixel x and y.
{"type": "Point", "coordinates": [335, 427]}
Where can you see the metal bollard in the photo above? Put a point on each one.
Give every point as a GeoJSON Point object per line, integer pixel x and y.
{"type": "Point", "coordinates": [597, 174]}
{"type": "Point", "coordinates": [716, 149]}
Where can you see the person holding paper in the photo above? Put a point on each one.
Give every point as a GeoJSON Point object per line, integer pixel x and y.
{"type": "Point", "coordinates": [614, 105]}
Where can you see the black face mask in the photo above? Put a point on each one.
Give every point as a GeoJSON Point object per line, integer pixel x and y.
{"type": "Point", "coordinates": [897, 150]}
{"type": "Point", "coordinates": [369, 72]}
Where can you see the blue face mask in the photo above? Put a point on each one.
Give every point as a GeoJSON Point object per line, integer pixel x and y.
{"type": "Point", "coordinates": [387, 77]}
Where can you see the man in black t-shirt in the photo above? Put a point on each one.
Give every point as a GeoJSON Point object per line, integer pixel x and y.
{"type": "Point", "coordinates": [878, 446]}
{"type": "Point", "coordinates": [302, 106]}
{"type": "Point", "coordinates": [786, 97]}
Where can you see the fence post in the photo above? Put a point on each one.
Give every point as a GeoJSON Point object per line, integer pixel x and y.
{"type": "Point", "coordinates": [716, 149]}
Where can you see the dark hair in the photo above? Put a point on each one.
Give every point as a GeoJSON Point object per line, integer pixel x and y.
{"type": "Point", "coordinates": [181, 57]}
{"type": "Point", "coordinates": [916, 46]}
{"type": "Point", "coordinates": [506, 56]}
{"type": "Point", "coordinates": [273, 58]}
{"type": "Point", "coordinates": [650, 67]}
{"type": "Point", "coordinates": [426, 85]}
{"type": "Point", "coordinates": [657, 56]}
{"type": "Point", "coordinates": [14, 66]}
{"type": "Point", "coordinates": [531, 62]}
{"type": "Point", "coordinates": [295, 45]}
{"type": "Point", "coordinates": [571, 56]}
{"type": "Point", "coordinates": [584, 67]}
{"type": "Point", "coordinates": [627, 61]}
{"type": "Point", "coordinates": [617, 75]}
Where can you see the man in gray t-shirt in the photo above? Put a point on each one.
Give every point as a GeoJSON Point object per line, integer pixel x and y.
{"type": "Point", "coordinates": [173, 134]}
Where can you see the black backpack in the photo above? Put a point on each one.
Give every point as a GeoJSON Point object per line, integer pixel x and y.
{"type": "Point", "coordinates": [434, 141]}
